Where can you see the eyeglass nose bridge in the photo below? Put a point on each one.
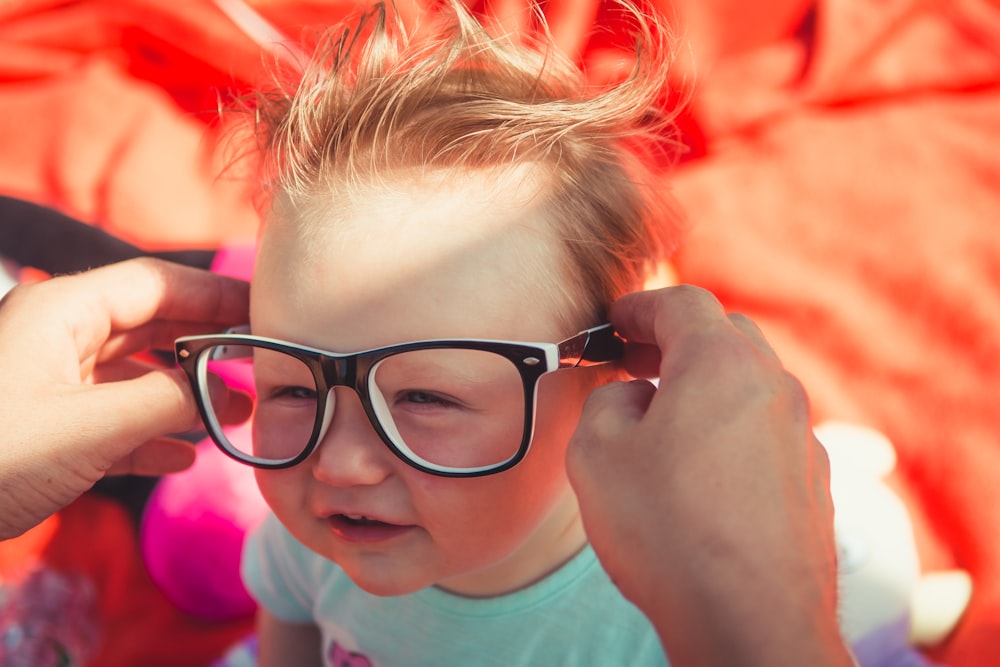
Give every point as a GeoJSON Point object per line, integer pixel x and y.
{"type": "Point", "coordinates": [340, 370]}
{"type": "Point", "coordinates": [329, 372]}
{"type": "Point", "coordinates": [350, 371]}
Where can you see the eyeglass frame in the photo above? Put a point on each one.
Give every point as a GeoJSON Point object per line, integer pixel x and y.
{"type": "Point", "coordinates": [594, 346]}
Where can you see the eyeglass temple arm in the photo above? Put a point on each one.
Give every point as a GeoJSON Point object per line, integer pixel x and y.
{"type": "Point", "coordinates": [598, 345]}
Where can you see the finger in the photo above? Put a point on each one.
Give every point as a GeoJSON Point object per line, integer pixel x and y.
{"type": "Point", "coordinates": [128, 413]}
{"type": "Point", "coordinates": [596, 450]}
{"type": "Point", "coordinates": [231, 406]}
{"type": "Point", "coordinates": [182, 294]}
{"type": "Point", "coordinates": [654, 317]}
{"type": "Point", "coordinates": [683, 322]}
{"type": "Point", "coordinates": [609, 412]}
{"type": "Point", "coordinates": [120, 369]}
{"type": "Point", "coordinates": [131, 294]}
{"type": "Point", "coordinates": [155, 335]}
{"type": "Point", "coordinates": [160, 456]}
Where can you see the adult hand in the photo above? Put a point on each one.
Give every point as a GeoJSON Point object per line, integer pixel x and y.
{"type": "Point", "coordinates": [707, 498]}
{"type": "Point", "coordinates": [76, 404]}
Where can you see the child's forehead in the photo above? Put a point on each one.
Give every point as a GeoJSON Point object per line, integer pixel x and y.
{"type": "Point", "coordinates": [425, 218]}
{"type": "Point", "coordinates": [440, 258]}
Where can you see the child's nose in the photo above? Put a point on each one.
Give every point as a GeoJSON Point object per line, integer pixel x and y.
{"type": "Point", "coordinates": [351, 452]}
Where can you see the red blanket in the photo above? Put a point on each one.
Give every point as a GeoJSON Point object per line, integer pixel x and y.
{"type": "Point", "coordinates": [842, 180]}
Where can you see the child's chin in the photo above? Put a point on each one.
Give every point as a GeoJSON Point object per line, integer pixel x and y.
{"type": "Point", "coordinates": [387, 586]}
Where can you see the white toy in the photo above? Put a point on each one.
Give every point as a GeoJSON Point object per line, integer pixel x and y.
{"type": "Point", "coordinates": [888, 607]}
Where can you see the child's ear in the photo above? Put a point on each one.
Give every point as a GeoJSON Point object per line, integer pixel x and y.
{"type": "Point", "coordinates": [664, 275]}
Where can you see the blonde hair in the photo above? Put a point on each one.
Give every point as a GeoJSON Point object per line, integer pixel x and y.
{"type": "Point", "coordinates": [375, 98]}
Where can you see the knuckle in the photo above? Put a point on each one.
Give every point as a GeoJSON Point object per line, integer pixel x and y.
{"type": "Point", "coordinates": [18, 293]}
{"type": "Point", "coordinates": [741, 319]}
{"type": "Point", "coordinates": [145, 262]}
{"type": "Point", "coordinates": [10, 297]}
{"type": "Point", "coordinates": [689, 291]}
{"type": "Point", "coordinates": [744, 323]}
{"type": "Point", "coordinates": [694, 296]}
{"type": "Point", "coordinates": [42, 299]}
{"type": "Point", "coordinates": [822, 460]}
{"type": "Point", "coordinates": [796, 395]}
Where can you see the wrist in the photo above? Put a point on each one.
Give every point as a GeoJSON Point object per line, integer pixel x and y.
{"type": "Point", "coordinates": [716, 644]}
{"type": "Point", "coordinates": [752, 626]}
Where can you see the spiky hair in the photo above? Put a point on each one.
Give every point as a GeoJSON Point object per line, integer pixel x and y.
{"type": "Point", "coordinates": [376, 98]}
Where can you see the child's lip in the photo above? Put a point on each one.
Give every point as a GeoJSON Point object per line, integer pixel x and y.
{"type": "Point", "coordinates": [361, 528]}
{"type": "Point", "coordinates": [359, 515]}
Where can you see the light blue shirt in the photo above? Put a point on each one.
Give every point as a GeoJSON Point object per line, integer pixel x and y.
{"type": "Point", "coordinates": [574, 617]}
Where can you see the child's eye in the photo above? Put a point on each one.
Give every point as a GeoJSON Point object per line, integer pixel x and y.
{"type": "Point", "coordinates": [425, 398]}
{"type": "Point", "coordinates": [294, 393]}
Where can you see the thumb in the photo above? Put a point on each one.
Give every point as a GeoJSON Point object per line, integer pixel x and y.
{"type": "Point", "coordinates": [159, 456]}
{"type": "Point", "coordinates": [127, 413]}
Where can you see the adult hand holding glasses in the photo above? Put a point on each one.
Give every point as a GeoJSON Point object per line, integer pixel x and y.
{"type": "Point", "coordinates": [76, 405]}
{"type": "Point", "coordinates": [707, 498]}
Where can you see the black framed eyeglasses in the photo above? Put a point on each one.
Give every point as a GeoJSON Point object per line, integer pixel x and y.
{"type": "Point", "coordinates": [456, 408]}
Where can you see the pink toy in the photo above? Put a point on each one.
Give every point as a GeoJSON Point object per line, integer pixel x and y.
{"type": "Point", "coordinates": [193, 532]}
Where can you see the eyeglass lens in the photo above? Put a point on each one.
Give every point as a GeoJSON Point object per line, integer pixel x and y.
{"type": "Point", "coordinates": [449, 407]}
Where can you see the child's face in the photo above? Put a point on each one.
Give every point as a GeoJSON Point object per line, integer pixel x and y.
{"type": "Point", "coordinates": [417, 261]}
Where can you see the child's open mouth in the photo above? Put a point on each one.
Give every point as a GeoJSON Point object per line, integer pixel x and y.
{"type": "Point", "coordinates": [360, 528]}
{"type": "Point", "coordinates": [360, 520]}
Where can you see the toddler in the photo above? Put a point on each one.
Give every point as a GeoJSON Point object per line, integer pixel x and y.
{"type": "Point", "coordinates": [450, 214]}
